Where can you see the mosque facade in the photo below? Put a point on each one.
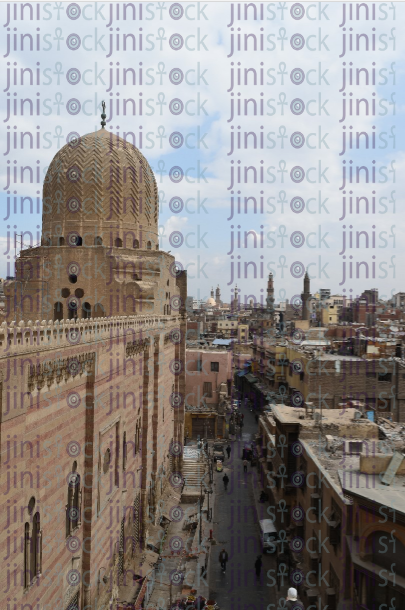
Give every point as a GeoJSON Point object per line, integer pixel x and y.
{"type": "Point", "coordinates": [92, 373]}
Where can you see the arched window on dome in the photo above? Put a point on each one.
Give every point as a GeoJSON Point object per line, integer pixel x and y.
{"type": "Point", "coordinates": [61, 241]}
{"type": "Point", "coordinates": [118, 242]}
{"type": "Point", "coordinates": [47, 241]}
{"type": "Point", "coordinates": [58, 311]}
{"type": "Point", "coordinates": [86, 311]}
{"type": "Point", "coordinates": [136, 244]}
{"type": "Point", "coordinates": [99, 311]}
{"type": "Point", "coordinates": [98, 241]}
{"type": "Point", "coordinates": [149, 246]}
{"type": "Point", "coordinates": [75, 240]}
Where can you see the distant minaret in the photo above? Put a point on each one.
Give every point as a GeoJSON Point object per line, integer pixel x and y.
{"type": "Point", "coordinates": [270, 298]}
{"type": "Point", "coordinates": [270, 294]}
{"type": "Point", "coordinates": [212, 293]}
{"type": "Point", "coordinates": [218, 295]}
{"type": "Point", "coordinates": [304, 298]}
{"type": "Point", "coordinates": [235, 300]}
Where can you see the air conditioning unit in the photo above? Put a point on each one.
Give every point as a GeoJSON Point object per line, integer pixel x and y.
{"type": "Point", "coordinates": [317, 417]}
{"type": "Point", "coordinates": [353, 447]}
{"type": "Point", "coordinates": [357, 415]}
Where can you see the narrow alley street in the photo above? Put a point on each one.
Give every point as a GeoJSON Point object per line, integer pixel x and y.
{"type": "Point", "coordinates": [236, 530]}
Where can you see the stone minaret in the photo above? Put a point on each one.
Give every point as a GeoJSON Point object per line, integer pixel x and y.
{"type": "Point", "coordinates": [270, 295]}
{"type": "Point", "coordinates": [304, 297]}
{"type": "Point", "coordinates": [218, 295]}
{"type": "Point", "coordinates": [212, 293]}
{"type": "Point", "coordinates": [235, 306]}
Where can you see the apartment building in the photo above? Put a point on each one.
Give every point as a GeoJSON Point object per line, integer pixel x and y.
{"type": "Point", "coordinates": [343, 529]}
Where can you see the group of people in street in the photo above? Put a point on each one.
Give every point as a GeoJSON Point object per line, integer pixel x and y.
{"type": "Point", "coordinates": [223, 560]}
{"type": "Point", "coordinates": [248, 455]}
{"type": "Point", "coordinates": [291, 602]}
{"type": "Point", "coordinates": [203, 443]}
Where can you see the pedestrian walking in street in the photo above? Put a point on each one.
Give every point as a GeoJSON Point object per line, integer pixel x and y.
{"type": "Point", "coordinates": [223, 559]}
{"type": "Point", "coordinates": [258, 566]}
{"type": "Point", "coordinates": [292, 602]}
{"type": "Point", "coordinates": [241, 424]}
{"type": "Point", "coordinates": [225, 479]}
{"type": "Point", "coordinates": [242, 416]}
{"type": "Point", "coordinates": [228, 450]}
{"type": "Point", "coordinates": [245, 465]}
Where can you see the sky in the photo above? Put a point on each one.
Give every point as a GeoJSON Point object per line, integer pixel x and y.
{"type": "Point", "coordinates": [73, 64]}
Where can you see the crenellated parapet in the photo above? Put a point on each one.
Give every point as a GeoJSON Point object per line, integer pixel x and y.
{"type": "Point", "coordinates": [28, 336]}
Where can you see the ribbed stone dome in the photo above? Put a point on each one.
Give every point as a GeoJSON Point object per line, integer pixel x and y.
{"type": "Point", "coordinates": [100, 187]}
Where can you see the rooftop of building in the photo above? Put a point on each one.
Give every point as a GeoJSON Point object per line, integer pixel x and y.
{"type": "Point", "coordinates": [195, 347]}
{"type": "Point", "coordinates": [370, 487]}
{"type": "Point", "coordinates": [342, 468]}
{"type": "Point", "coordinates": [337, 417]}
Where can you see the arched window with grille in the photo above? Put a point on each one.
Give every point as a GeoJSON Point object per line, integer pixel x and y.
{"type": "Point", "coordinates": [27, 552]}
{"type": "Point", "coordinates": [136, 523]}
{"type": "Point", "coordinates": [73, 506]}
{"type": "Point", "coordinates": [32, 545]}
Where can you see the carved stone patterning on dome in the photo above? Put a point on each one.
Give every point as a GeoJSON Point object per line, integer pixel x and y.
{"type": "Point", "coordinates": [100, 185]}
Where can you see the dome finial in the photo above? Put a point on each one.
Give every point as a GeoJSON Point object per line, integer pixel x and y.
{"type": "Point", "coordinates": [103, 116]}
